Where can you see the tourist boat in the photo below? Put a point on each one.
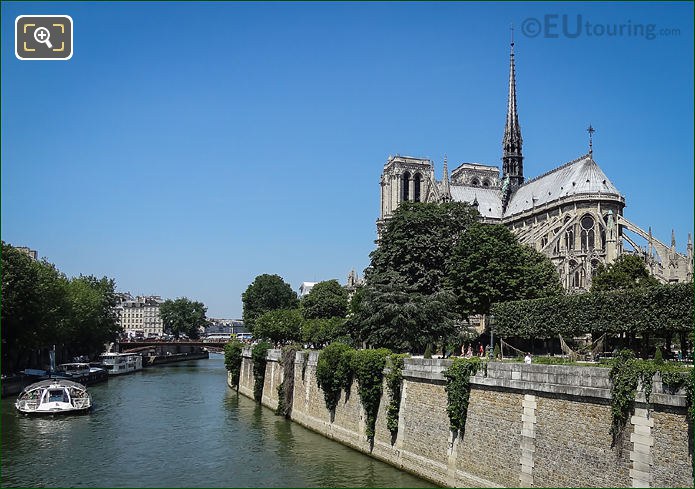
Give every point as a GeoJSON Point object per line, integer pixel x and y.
{"type": "Point", "coordinates": [121, 363]}
{"type": "Point", "coordinates": [81, 372]}
{"type": "Point", "coordinates": [54, 396]}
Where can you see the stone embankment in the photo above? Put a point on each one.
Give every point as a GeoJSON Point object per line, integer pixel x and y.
{"type": "Point", "coordinates": [527, 425]}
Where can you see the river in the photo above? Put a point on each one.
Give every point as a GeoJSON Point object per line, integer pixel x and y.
{"type": "Point", "coordinates": [179, 425]}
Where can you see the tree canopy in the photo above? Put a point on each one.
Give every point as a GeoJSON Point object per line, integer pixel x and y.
{"type": "Point", "coordinates": [418, 242]}
{"type": "Point", "coordinates": [627, 272]}
{"type": "Point", "coordinates": [279, 326]}
{"type": "Point", "coordinates": [266, 293]}
{"type": "Point", "coordinates": [183, 316]}
{"type": "Point", "coordinates": [393, 315]}
{"type": "Point", "coordinates": [406, 302]}
{"type": "Point", "coordinates": [326, 300]}
{"type": "Point", "coordinates": [41, 307]}
{"type": "Point", "coordinates": [490, 266]}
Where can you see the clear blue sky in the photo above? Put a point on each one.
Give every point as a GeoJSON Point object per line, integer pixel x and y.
{"type": "Point", "coordinates": [188, 147]}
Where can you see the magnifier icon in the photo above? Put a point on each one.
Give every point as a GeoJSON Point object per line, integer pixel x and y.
{"type": "Point", "coordinates": [43, 36]}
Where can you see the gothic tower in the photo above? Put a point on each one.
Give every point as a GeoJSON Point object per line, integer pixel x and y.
{"type": "Point", "coordinates": [512, 159]}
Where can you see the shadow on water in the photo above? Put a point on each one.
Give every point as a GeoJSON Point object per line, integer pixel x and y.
{"type": "Point", "coordinates": [179, 425]}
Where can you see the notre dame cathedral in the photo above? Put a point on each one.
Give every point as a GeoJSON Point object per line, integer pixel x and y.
{"type": "Point", "coordinates": [573, 213]}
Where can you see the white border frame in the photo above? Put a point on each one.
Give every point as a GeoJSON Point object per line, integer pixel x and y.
{"type": "Point", "coordinates": [72, 34]}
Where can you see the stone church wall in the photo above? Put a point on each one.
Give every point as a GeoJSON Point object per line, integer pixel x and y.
{"type": "Point", "coordinates": [527, 425]}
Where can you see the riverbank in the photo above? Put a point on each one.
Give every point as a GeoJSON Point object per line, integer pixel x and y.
{"type": "Point", "coordinates": [543, 425]}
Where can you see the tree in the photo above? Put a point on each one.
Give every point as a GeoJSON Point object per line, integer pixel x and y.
{"type": "Point", "coordinates": [418, 243]}
{"type": "Point", "coordinates": [627, 272]}
{"type": "Point", "coordinates": [266, 293]}
{"type": "Point", "coordinates": [183, 316]}
{"type": "Point", "coordinates": [42, 308]}
{"type": "Point", "coordinates": [489, 265]}
{"type": "Point", "coordinates": [280, 326]}
{"type": "Point", "coordinates": [325, 300]}
{"type": "Point", "coordinates": [92, 319]}
{"type": "Point", "coordinates": [34, 306]}
{"type": "Point", "coordinates": [394, 315]}
{"type": "Point", "coordinates": [320, 332]}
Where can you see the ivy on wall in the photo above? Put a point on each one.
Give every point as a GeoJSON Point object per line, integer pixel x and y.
{"type": "Point", "coordinates": [232, 359]}
{"type": "Point", "coordinates": [458, 390]}
{"type": "Point", "coordinates": [394, 383]}
{"type": "Point", "coordinates": [339, 364]}
{"type": "Point", "coordinates": [333, 372]}
{"type": "Point", "coordinates": [658, 309]}
{"type": "Point", "coordinates": [258, 356]}
{"type": "Point", "coordinates": [627, 372]}
{"type": "Point", "coordinates": [369, 371]}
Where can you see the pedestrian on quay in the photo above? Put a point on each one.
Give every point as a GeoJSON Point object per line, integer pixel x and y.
{"type": "Point", "coordinates": [480, 350]}
{"type": "Point", "coordinates": [527, 358]}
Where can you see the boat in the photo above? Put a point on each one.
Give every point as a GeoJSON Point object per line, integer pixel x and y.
{"type": "Point", "coordinates": [121, 363]}
{"type": "Point", "coordinates": [81, 372]}
{"type": "Point", "coordinates": [54, 396]}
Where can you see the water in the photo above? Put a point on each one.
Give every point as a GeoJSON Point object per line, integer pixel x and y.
{"type": "Point", "coordinates": [179, 426]}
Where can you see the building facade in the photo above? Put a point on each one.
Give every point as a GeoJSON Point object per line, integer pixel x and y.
{"type": "Point", "coordinates": [572, 213]}
{"type": "Point", "coordinates": [139, 316]}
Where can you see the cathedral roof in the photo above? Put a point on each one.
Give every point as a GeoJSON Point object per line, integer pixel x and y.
{"type": "Point", "coordinates": [579, 177]}
{"type": "Point", "coordinates": [489, 199]}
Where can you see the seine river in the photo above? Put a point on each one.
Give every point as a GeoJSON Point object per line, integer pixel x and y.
{"type": "Point", "coordinates": [179, 426]}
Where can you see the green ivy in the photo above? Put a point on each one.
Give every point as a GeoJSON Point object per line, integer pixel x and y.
{"type": "Point", "coordinates": [258, 355]}
{"type": "Point", "coordinates": [394, 382]}
{"type": "Point", "coordinates": [626, 374]}
{"type": "Point", "coordinates": [369, 372]}
{"type": "Point", "coordinates": [458, 390]}
{"type": "Point", "coordinates": [232, 359]}
{"type": "Point", "coordinates": [334, 372]}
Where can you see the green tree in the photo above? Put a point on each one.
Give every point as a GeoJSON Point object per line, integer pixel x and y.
{"type": "Point", "coordinates": [396, 316]}
{"type": "Point", "coordinates": [325, 300]}
{"type": "Point", "coordinates": [490, 265]}
{"type": "Point", "coordinates": [319, 332]}
{"type": "Point", "coordinates": [92, 319]}
{"type": "Point", "coordinates": [34, 306]}
{"type": "Point", "coordinates": [627, 272]}
{"type": "Point", "coordinates": [266, 293]}
{"type": "Point", "coordinates": [42, 308]}
{"type": "Point", "coordinates": [183, 316]}
{"type": "Point", "coordinates": [280, 326]}
{"type": "Point", "coordinates": [418, 243]}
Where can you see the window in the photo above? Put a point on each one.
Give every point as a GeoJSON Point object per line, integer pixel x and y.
{"type": "Point", "coordinates": [486, 183]}
{"type": "Point", "coordinates": [569, 239]}
{"type": "Point", "coordinates": [475, 182]}
{"type": "Point", "coordinates": [405, 186]}
{"type": "Point", "coordinates": [587, 233]}
{"type": "Point", "coordinates": [417, 179]}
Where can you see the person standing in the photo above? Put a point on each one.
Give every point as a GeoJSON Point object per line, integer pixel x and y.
{"type": "Point", "coordinates": [527, 359]}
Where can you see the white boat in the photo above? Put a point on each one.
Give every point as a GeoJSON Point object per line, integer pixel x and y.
{"type": "Point", "coordinates": [54, 396]}
{"type": "Point", "coordinates": [81, 372]}
{"type": "Point", "coordinates": [121, 363]}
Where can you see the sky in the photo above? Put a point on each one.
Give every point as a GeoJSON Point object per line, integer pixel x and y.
{"type": "Point", "coordinates": [186, 148]}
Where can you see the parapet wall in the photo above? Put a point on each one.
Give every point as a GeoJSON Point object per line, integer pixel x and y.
{"type": "Point", "coordinates": [527, 425]}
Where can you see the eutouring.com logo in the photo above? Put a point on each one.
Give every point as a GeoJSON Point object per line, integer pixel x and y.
{"type": "Point", "coordinates": [553, 26]}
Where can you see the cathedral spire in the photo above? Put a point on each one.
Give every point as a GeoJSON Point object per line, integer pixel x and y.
{"type": "Point", "coordinates": [512, 158]}
{"type": "Point", "coordinates": [446, 191]}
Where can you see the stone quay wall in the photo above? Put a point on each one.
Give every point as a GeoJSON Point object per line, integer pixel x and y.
{"type": "Point", "coordinates": [527, 425]}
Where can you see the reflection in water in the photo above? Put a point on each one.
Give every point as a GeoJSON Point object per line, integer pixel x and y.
{"type": "Point", "coordinates": [179, 426]}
